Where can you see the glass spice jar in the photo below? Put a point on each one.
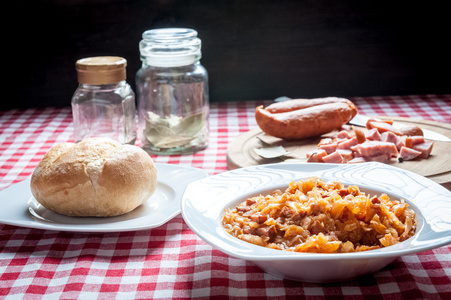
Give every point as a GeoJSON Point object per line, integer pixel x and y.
{"type": "Point", "coordinates": [104, 103]}
{"type": "Point", "coordinates": [172, 90]}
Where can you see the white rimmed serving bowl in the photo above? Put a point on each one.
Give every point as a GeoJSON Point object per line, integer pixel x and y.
{"type": "Point", "coordinates": [204, 202]}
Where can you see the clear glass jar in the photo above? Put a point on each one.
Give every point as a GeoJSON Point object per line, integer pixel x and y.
{"type": "Point", "coordinates": [172, 90]}
{"type": "Point", "coordinates": [104, 103]}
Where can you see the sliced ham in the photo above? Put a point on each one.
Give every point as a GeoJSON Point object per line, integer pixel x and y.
{"type": "Point", "coordinates": [410, 130]}
{"type": "Point", "coordinates": [333, 158]}
{"type": "Point", "coordinates": [356, 160]}
{"type": "Point", "coordinates": [347, 154]}
{"type": "Point", "coordinates": [329, 148]}
{"type": "Point", "coordinates": [373, 135]}
{"type": "Point", "coordinates": [384, 127]}
{"type": "Point", "coordinates": [369, 123]}
{"type": "Point", "coordinates": [417, 139]}
{"type": "Point", "coordinates": [316, 155]}
{"type": "Point", "coordinates": [400, 142]}
{"type": "Point", "coordinates": [390, 137]}
{"type": "Point", "coordinates": [425, 149]}
{"type": "Point", "coordinates": [382, 158]}
{"type": "Point", "coordinates": [347, 144]}
{"type": "Point", "coordinates": [325, 141]}
{"type": "Point", "coordinates": [356, 153]}
{"type": "Point", "coordinates": [408, 153]}
{"type": "Point", "coordinates": [360, 135]}
{"type": "Point", "coordinates": [343, 134]}
{"type": "Point", "coordinates": [379, 142]}
{"type": "Point", "coordinates": [408, 142]}
{"type": "Point", "coordinates": [376, 148]}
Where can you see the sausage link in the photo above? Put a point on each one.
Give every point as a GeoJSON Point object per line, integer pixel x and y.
{"type": "Point", "coordinates": [295, 104]}
{"type": "Point", "coordinates": [311, 121]}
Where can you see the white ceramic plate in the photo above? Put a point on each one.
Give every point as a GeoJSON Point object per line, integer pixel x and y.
{"type": "Point", "coordinates": [204, 201]}
{"type": "Point", "coordinates": [18, 206]}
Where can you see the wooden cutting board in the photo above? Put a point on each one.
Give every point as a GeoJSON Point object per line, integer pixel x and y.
{"type": "Point", "coordinates": [241, 152]}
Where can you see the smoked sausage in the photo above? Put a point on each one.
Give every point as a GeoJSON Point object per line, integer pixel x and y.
{"type": "Point", "coordinates": [304, 118]}
{"type": "Point", "coordinates": [296, 104]}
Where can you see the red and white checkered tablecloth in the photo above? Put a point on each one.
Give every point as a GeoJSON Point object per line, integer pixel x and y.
{"type": "Point", "coordinates": [171, 262]}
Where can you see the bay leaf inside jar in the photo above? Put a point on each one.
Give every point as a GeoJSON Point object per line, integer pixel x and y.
{"type": "Point", "coordinates": [173, 131]}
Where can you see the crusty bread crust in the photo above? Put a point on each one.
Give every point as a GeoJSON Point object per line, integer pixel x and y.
{"type": "Point", "coordinates": [97, 177]}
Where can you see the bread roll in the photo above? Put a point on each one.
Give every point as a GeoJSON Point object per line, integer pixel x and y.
{"type": "Point", "coordinates": [97, 177]}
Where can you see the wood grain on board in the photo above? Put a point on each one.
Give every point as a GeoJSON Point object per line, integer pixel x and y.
{"type": "Point", "coordinates": [241, 152]}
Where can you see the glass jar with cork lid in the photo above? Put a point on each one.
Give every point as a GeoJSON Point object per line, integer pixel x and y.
{"type": "Point", "coordinates": [172, 90]}
{"type": "Point", "coordinates": [104, 103]}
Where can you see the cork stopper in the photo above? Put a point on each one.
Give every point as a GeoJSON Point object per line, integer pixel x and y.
{"type": "Point", "coordinates": [101, 69]}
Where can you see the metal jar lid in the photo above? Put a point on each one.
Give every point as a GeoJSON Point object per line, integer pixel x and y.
{"type": "Point", "coordinates": [101, 69]}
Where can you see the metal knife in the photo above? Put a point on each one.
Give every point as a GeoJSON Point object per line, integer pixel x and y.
{"type": "Point", "coordinates": [360, 120]}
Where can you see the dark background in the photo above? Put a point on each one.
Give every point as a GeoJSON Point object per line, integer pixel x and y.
{"type": "Point", "coordinates": [253, 50]}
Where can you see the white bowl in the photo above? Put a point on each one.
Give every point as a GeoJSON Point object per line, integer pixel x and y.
{"type": "Point", "coordinates": [204, 202]}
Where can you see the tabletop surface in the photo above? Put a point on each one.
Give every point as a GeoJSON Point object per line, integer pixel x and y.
{"type": "Point", "coordinates": [170, 261]}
